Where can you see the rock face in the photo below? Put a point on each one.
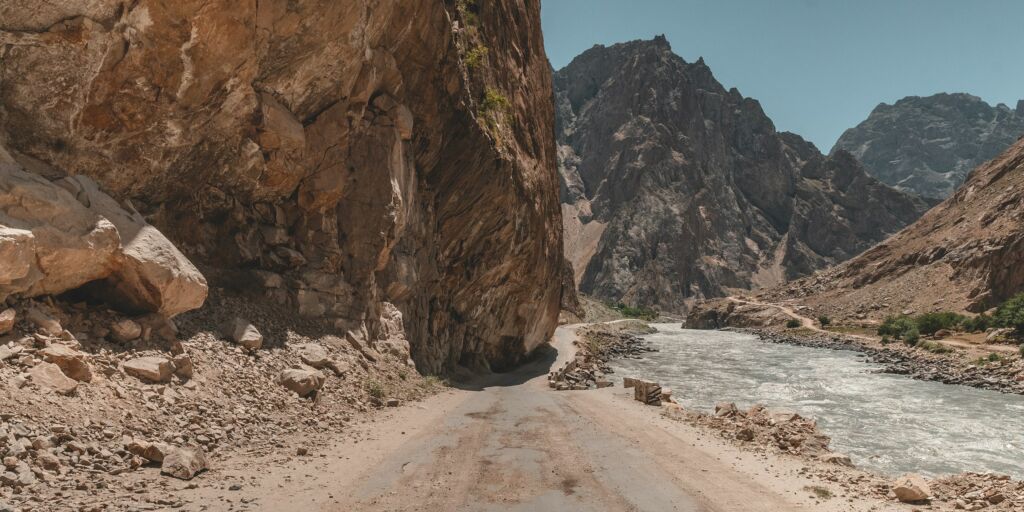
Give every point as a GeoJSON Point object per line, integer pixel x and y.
{"type": "Point", "coordinates": [342, 172]}
{"type": "Point", "coordinates": [675, 189]}
{"type": "Point", "coordinates": [927, 146]}
{"type": "Point", "coordinates": [965, 254]}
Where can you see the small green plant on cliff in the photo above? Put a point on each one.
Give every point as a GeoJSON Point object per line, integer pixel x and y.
{"type": "Point", "coordinates": [376, 390]}
{"type": "Point", "coordinates": [467, 10]}
{"type": "Point", "coordinates": [494, 101]}
{"type": "Point", "coordinates": [793, 323]}
{"type": "Point", "coordinates": [824, 320]}
{"type": "Point", "coordinates": [1011, 314]}
{"type": "Point", "coordinates": [476, 56]}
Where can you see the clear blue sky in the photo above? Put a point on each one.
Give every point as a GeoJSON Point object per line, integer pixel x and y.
{"type": "Point", "coordinates": [817, 66]}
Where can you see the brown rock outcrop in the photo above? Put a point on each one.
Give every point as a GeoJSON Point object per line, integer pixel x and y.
{"type": "Point", "coordinates": [344, 172]}
{"type": "Point", "coordinates": [965, 254]}
{"type": "Point", "coordinates": [675, 188]}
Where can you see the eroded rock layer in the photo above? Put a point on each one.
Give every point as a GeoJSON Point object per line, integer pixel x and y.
{"type": "Point", "coordinates": [675, 189]}
{"type": "Point", "coordinates": [345, 154]}
{"type": "Point", "coordinates": [928, 145]}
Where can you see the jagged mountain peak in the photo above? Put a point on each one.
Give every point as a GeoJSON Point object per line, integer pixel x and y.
{"type": "Point", "coordinates": [926, 145]}
{"type": "Point", "coordinates": [675, 188]}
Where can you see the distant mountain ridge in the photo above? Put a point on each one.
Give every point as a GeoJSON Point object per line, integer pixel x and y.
{"type": "Point", "coordinates": [927, 145]}
{"type": "Point", "coordinates": [675, 189]}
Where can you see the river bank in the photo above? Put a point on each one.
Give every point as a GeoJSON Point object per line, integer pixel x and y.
{"type": "Point", "coordinates": [991, 367]}
{"type": "Point", "coordinates": [785, 434]}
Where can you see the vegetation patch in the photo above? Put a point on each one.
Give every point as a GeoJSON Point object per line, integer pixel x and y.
{"type": "Point", "coordinates": [824, 320]}
{"type": "Point", "coordinates": [641, 312]}
{"type": "Point", "coordinates": [793, 323]}
{"type": "Point", "coordinates": [1011, 314]}
{"type": "Point", "coordinates": [476, 56]}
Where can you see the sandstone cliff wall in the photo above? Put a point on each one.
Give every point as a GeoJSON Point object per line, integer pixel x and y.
{"type": "Point", "coordinates": [343, 154]}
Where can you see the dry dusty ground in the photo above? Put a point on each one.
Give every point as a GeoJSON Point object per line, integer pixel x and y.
{"type": "Point", "coordinates": [510, 443]}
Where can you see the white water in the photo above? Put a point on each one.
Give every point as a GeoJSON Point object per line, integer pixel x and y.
{"type": "Point", "coordinates": [884, 422]}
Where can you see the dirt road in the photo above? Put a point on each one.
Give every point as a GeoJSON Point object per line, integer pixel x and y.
{"type": "Point", "coordinates": [510, 443]}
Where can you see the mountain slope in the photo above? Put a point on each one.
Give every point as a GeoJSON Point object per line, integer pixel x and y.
{"type": "Point", "coordinates": [340, 157]}
{"type": "Point", "coordinates": [965, 254]}
{"type": "Point", "coordinates": [928, 145]}
{"type": "Point", "coordinates": [675, 189]}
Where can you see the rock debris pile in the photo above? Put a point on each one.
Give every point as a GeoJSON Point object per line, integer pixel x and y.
{"type": "Point", "coordinates": [598, 344]}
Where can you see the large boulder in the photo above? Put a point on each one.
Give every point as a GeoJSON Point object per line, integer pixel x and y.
{"type": "Point", "coordinates": [59, 236]}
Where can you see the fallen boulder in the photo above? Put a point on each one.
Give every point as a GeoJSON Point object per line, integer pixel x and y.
{"type": "Point", "coordinates": [60, 236]}
{"type": "Point", "coordinates": [183, 463]}
{"type": "Point", "coordinates": [71, 362]}
{"type": "Point", "coordinates": [46, 323]}
{"type": "Point", "coordinates": [49, 376]}
{"type": "Point", "coordinates": [911, 488]}
{"type": "Point", "coordinates": [150, 368]}
{"type": "Point", "coordinates": [302, 381]}
{"type": "Point", "coordinates": [647, 392]}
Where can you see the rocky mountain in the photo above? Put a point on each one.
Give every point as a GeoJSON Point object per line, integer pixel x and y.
{"type": "Point", "coordinates": [340, 158]}
{"type": "Point", "coordinates": [964, 255]}
{"type": "Point", "coordinates": [928, 145]}
{"type": "Point", "coordinates": [674, 188]}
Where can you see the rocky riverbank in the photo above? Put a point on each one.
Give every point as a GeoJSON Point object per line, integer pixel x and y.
{"type": "Point", "coordinates": [1002, 373]}
{"type": "Point", "coordinates": [597, 344]}
{"type": "Point", "coordinates": [783, 432]}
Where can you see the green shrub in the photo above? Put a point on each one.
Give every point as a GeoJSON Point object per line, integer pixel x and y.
{"type": "Point", "coordinates": [886, 340]}
{"type": "Point", "coordinates": [931, 323]}
{"type": "Point", "coordinates": [641, 312]}
{"type": "Point", "coordinates": [476, 56]}
{"type": "Point", "coordinates": [1011, 314]}
{"type": "Point", "coordinates": [494, 101]}
{"type": "Point", "coordinates": [993, 357]}
{"type": "Point", "coordinates": [912, 336]}
{"type": "Point", "coordinates": [980, 323]}
{"type": "Point", "coordinates": [896, 326]}
{"type": "Point", "coordinates": [793, 323]}
{"type": "Point", "coordinates": [824, 320]}
{"type": "Point", "coordinates": [932, 346]}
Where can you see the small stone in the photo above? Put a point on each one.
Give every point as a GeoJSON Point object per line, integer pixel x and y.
{"type": "Point", "coordinates": [314, 355]}
{"type": "Point", "coordinates": [245, 334]}
{"type": "Point", "coordinates": [393, 402]}
{"type": "Point", "coordinates": [49, 461]}
{"type": "Point", "coordinates": [7, 320]}
{"type": "Point", "coordinates": [745, 434]}
{"type": "Point", "coordinates": [44, 322]}
{"type": "Point", "coordinates": [9, 352]}
{"type": "Point", "coordinates": [838, 458]}
{"type": "Point", "coordinates": [184, 463]}
{"type": "Point", "coordinates": [151, 368]}
{"type": "Point", "coordinates": [125, 330]}
{"type": "Point", "coordinates": [183, 366]}
{"type": "Point", "coordinates": [302, 451]}
{"type": "Point", "coordinates": [726, 409]}
{"type": "Point", "coordinates": [153, 452]}
{"type": "Point", "coordinates": [911, 488]}
{"type": "Point", "coordinates": [49, 376]}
